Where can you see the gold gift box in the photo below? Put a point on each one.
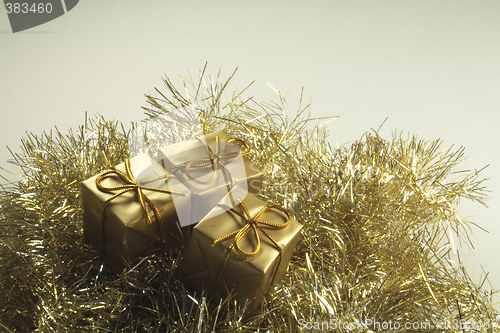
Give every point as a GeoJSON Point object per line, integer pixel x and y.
{"type": "Point", "coordinates": [207, 186]}
{"type": "Point", "coordinates": [126, 234]}
{"type": "Point", "coordinates": [217, 269]}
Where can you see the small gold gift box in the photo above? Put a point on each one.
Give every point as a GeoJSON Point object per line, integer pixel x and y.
{"type": "Point", "coordinates": [244, 247]}
{"type": "Point", "coordinates": [210, 166]}
{"type": "Point", "coordinates": [129, 211]}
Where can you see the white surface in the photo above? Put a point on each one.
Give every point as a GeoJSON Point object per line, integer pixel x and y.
{"type": "Point", "coordinates": [432, 67]}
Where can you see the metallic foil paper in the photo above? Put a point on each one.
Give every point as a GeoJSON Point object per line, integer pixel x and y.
{"type": "Point", "coordinates": [127, 235]}
{"type": "Point", "coordinates": [203, 264]}
{"type": "Point", "coordinates": [245, 173]}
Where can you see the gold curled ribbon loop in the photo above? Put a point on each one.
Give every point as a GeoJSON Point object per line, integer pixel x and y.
{"type": "Point", "coordinates": [253, 224]}
{"type": "Point", "coordinates": [215, 159]}
{"type": "Point", "coordinates": [130, 184]}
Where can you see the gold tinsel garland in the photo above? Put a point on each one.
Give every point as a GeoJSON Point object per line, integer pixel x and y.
{"type": "Point", "coordinates": [378, 215]}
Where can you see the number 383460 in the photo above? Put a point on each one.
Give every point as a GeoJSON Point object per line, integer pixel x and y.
{"type": "Point", "coordinates": [25, 8]}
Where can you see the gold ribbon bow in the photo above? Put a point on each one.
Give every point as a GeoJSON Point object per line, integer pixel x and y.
{"type": "Point", "coordinates": [253, 224]}
{"type": "Point", "coordinates": [215, 159]}
{"type": "Point", "coordinates": [130, 184]}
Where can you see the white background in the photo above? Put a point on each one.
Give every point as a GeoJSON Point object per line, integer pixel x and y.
{"type": "Point", "coordinates": [432, 67]}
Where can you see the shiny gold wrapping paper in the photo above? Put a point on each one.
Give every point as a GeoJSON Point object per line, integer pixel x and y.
{"type": "Point", "coordinates": [203, 261]}
{"type": "Point", "coordinates": [127, 234]}
{"type": "Point", "coordinates": [204, 197]}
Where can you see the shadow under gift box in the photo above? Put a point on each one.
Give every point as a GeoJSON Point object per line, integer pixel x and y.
{"type": "Point", "coordinates": [206, 266]}
{"type": "Point", "coordinates": [127, 234]}
{"type": "Point", "coordinates": [207, 186]}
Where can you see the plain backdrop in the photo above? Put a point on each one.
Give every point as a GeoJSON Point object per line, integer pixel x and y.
{"type": "Point", "coordinates": [431, 67]}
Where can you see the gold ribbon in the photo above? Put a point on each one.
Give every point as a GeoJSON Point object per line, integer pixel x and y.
{"type": "Point", "coordinates": [130, 184]}
{"type": "Point", "coordinates": [253, 224]}
{"type": "Point", "coordinates": [215, 159]}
